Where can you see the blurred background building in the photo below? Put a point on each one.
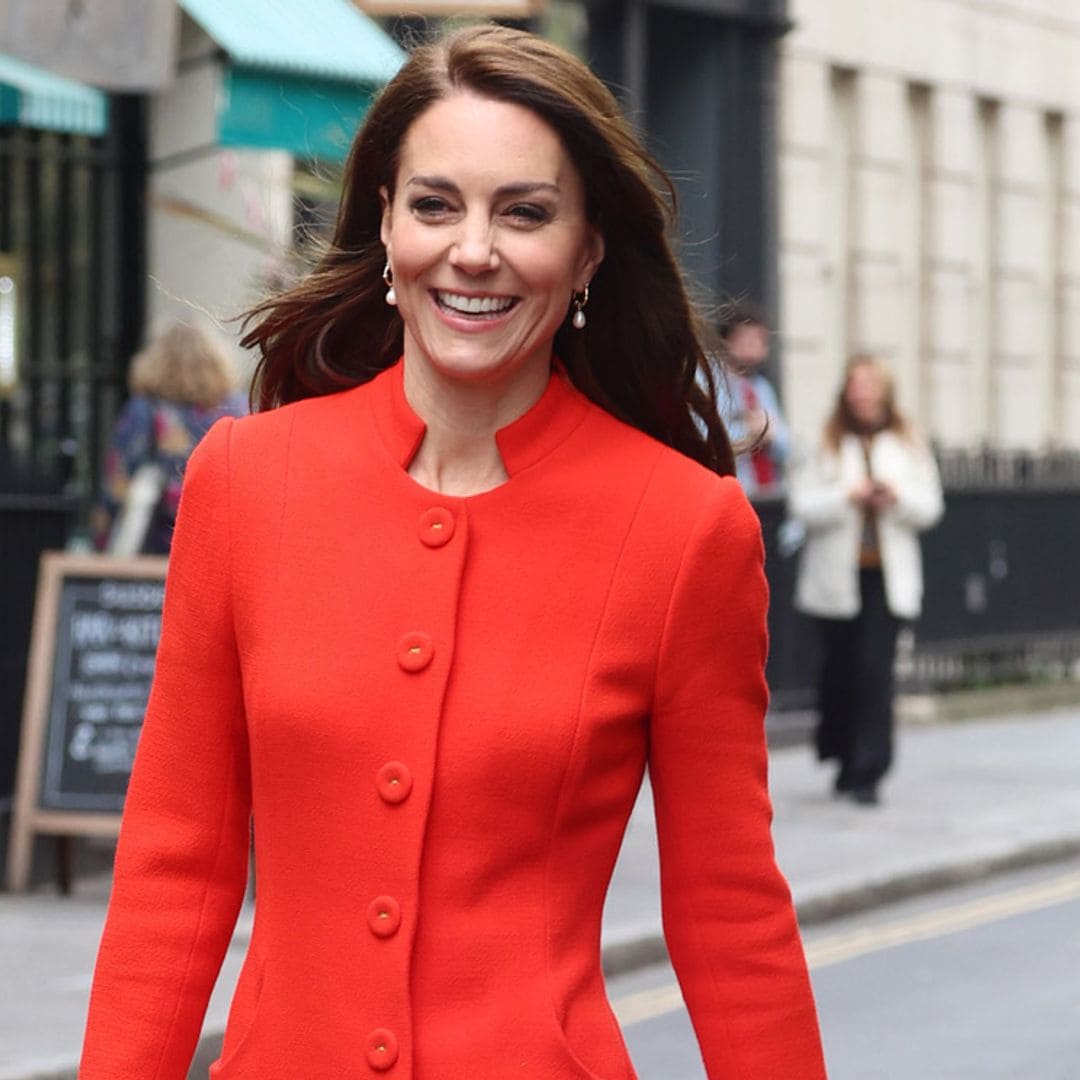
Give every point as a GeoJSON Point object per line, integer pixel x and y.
{"type": "Point", "coordinates": [929, 192]}
{"type": "Point", "coordinates": [894, 176]}
{"type": "Point", "coordinates": [929, 157]}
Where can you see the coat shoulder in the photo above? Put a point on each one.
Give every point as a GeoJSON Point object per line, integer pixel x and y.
{"type": "Point", "coordinates": [676, 490]}
{"type": "Point", "coordinates": [323, 428]}
{"type": "Point", "coordinates": [265, 428]}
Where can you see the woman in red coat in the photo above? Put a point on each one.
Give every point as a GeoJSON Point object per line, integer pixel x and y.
{"type": "Point", "coordinates": [432, 611]}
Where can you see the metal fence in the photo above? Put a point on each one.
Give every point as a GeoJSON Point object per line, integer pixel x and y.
{"type": "Point", "coordinates": [1002, 597]}
{"type": "Point", "coordinates": [71, 240]}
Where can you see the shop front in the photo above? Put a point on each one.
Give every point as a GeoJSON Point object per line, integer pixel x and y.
{"type": "Point", "coordinates": [119, 209]}
{"type": "Point", "coordinates": [70, 312]}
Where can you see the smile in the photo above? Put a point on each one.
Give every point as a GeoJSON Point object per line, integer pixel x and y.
{"type": "Point", "coordinates": [483, 306]}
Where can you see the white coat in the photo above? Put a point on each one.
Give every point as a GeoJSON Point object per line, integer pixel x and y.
{"type": "Point", "coordinates": [819, 497]}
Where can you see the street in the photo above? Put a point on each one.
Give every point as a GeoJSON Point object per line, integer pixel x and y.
{"type": "Point", "coordinates": [973, 983]}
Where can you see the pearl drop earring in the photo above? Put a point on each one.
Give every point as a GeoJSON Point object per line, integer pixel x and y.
{"type": "Point", "coordinates": [580, 300]}
{"type": "Point", "coordinates": [388, 277]}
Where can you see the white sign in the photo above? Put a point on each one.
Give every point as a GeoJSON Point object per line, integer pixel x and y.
{"type": "Point", "coordinates": [121, 45]}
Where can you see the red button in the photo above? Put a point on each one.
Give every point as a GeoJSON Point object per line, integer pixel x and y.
{"type": "Point", "coordinates": [384, 916]}
{"type": "Point", "coordinates": [394, 782]}
{"type": "Point", "coordinates": [415, 651]}
{"type": "Point", "coordinates": [436, 526]}
{"type": "Point", "coordinates": [382, 1049]}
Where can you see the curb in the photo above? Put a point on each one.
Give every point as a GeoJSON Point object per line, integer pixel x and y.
{"type": "Point", "coordinates": [821, 909]}
{"type": "Point", "coordinates": [1005, 702]}
{"type": "Point", "coordinates": [648, 948]}
{"type": "Point", "coordinates": [207, 1051]}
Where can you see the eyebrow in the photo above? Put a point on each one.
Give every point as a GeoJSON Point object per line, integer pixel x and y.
{"type": "Point", "coordinates": [518, 188]}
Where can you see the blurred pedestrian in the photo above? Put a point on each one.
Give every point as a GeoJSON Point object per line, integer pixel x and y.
{"type": "Point", "coordinates": [432, 611]}
{"type": "Point", "coordinates": [863, 498]}
{"type": "Point", "coordinates": [181, 383]}
{"type": "Point", "coordinates": [748, 402]}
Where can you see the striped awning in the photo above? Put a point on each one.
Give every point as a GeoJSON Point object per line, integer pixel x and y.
{"type": "Point", "coordinates": [300, 74]}
{"type": "Point", "coordinates": [33, 98]}
{"type": "Point", "coordinates": [322, 39]}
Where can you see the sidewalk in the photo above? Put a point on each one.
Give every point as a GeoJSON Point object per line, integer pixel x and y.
{"type": "Point", "coordinates": [964, 800]}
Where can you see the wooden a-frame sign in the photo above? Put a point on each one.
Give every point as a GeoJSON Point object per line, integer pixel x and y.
{"type": "Point", "coordinates": [96, 624]}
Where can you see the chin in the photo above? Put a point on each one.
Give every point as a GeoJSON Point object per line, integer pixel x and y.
{"type": "Point", "coordinates": [473, 365]}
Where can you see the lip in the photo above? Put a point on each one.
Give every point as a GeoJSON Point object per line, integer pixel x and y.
{"type": "Point", "coordinates": [477, 322]}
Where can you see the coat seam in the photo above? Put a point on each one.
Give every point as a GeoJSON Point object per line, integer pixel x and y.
{"type": "Point", "coordinates": [570, 756]}
{"type": "Point", "coordinates": [669, 608]}
{"type": "Point", "coordinates": [197, 935]}
{"type": "Point", "coordinates": [695, 919]}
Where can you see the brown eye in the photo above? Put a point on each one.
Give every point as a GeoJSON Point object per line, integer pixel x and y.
{"type": "Point", "coordinates": [528, 213]}
{"type": "Point", "coordinates": [429, 206]}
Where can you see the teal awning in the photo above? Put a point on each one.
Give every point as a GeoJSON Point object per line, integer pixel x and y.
{"type": "Point", "coordinates": [322, 39]}
{"type": "Point", "coordinates": [301, 73]}
{"type": "Point", "coordinates": [33, 98]}
{"type": "Point", "coordinates": [309, 118]}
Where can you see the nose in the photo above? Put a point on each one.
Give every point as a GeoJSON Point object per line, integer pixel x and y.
{"type": "Point", "coordinates": [473, 249]}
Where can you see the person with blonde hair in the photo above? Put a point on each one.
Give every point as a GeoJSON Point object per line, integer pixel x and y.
{"type": "Point", "coordinates": [863, 498]}
{"type": "Point", "coordinates": [180, 383]}
{"type": "Point", "coordinates": [432, 611]}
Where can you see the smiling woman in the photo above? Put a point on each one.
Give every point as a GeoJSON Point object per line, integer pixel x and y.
{"type": "Point", "coordinates": [597, 192]}
{"type": "Point", "coordinates": [432, 612]}
{"type": "Point", "coordinates": [487, 240]}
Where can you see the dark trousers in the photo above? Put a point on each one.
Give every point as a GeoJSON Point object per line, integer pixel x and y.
{"type": "Point", "coordinates": [856, 690]}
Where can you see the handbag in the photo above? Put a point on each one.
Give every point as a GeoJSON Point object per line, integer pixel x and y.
{"type": "Point", "coordinates": [145, 488]}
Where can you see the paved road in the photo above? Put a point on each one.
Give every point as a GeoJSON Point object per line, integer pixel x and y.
{"type": "Point", "coordinates": [979, 983]}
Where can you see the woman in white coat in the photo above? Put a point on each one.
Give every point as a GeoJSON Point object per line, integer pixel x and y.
{"type": "Point", "coordinates": [863, 497]}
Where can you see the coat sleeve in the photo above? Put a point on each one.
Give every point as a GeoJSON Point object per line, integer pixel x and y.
{"type": "Point", "coordinates": [182, 857]}
{"type": "Point", "coordinates": [728, 918]}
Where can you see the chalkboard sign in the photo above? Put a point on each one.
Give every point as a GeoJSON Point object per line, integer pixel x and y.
{"type": "Point", "coordinates": [96, 626]}
{"type": "Point", "coordinates": [106, 637]}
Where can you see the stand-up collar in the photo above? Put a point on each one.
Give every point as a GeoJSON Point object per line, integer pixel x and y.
{"type": "Point", "coordinates": [522, 443]}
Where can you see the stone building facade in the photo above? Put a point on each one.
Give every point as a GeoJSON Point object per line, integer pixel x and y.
{"type": "Point", "coordinates": [929, 186]}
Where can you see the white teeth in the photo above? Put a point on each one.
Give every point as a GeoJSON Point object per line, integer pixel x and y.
{"type": "Point", "coordinates": [474, 305]}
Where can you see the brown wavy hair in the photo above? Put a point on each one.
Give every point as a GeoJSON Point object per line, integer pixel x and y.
{"type": "Point", "coordinates": [185, 364]}
{"type": "Point", "coordinates": [841, 422]}
{"type": "Point", "coordinates": [642, 355]}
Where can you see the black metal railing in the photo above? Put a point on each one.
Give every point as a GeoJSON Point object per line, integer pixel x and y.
{"type": "Point", "coordinates": [72, 222]}
{"type": "Point", "coordinates": [1002, 595]}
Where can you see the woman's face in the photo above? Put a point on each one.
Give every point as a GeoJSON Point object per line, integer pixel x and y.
{"type": "Point", "coordinates": [865, 395]}
{"type": "Point", "coordinates": [487, 238]}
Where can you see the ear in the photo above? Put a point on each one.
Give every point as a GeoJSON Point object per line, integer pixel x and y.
{"type": "Point", "coordinates": [384, 224]}
{"type": "Point", "coordinates": [594, 254]}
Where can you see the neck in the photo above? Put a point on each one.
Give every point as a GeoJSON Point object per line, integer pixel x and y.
{"type": "Point", "coordinates": [867, 430]}
{"type": "Point", "coordinates": [459, 455]}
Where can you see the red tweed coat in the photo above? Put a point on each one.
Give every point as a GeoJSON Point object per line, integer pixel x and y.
{"type": "Point", "coordinates": [437, 712]}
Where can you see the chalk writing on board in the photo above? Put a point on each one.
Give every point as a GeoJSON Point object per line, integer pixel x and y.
{"type": "Point", "coordinates": [106, 640]}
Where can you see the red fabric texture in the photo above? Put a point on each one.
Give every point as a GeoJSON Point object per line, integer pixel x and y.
{"type": "Point", "coordinates": [438, 711]}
